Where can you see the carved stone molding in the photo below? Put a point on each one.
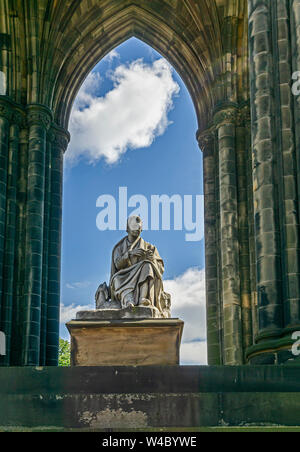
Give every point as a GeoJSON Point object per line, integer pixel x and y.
{"type": "Point", "coordinates": [62, 142]}
{"type": "Point", "coordinates": [244, 117]}
{"type": "Point", "coordinates": [59, 137]}
{"type": "Point", "coordinates": [5, 110]}
{"type": "Point", "coordinates": [50, 136]}
{"type": "Point", "coordinates": [19, 119]}
{"type": "Point", "coordinates": [23, 138]}
{"type": "Point", "coordinates": [12, 111]}
{"type": "Point", "coordinates": [39, 115]}
{"type": "Point", "coordinates": [226, 115]}
{"type": "Point", "coordinates": [206, 140]}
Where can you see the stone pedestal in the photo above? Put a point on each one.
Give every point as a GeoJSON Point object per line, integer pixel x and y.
{"type": "Point", "coordinates": [125, 342]}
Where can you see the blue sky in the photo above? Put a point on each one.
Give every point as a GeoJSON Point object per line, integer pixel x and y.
{"type": "Point", "coordinates": [133, 125]}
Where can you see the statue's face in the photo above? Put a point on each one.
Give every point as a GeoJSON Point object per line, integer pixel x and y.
{"type": "Point", "coordinates": [135, 225]}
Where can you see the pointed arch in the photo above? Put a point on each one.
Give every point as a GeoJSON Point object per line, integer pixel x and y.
{"type": "Point", "coordinates": [71, 64]}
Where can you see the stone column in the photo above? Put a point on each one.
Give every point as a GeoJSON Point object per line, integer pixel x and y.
{"type": "Point", "coordinates": [251, 235]}
{"type": "Point", "coordinates": [289, 61]}
{"type": "Point", "coordinates": [8, 299]}
{"type": "Point", "coordinates": [46, 228]}
{"type": "Point", "coordinates": [265, 175]}
{"type": "Point", "coordinates": [20, 240]}
{"type": "Point", "coordinates": [5, 117]}
{"type": "Point", "coordinates": [206, 142]}
{"type": "Point", "coordinates": [58, 147]}
{"type": "Point", "coordinates": [225, 123]}
{"type": "Point", "coordinates": [39, 119]}
{"type": "Point", "coordinates": [244, 223]}
{"type": "Point", "coordinates": [295, 67]}
{"type": "Point", "coordinates": [20, 250]}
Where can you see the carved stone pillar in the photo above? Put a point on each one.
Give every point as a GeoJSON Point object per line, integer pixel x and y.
{"type": "Point", "coordinates": [206, 142]}
{"type": "Point", "coordinates": [31, 165]}
{"type": "Point", "coordinates": [58, 146]}
{"type": "Point", "coordinates": [294, 33]}
{"type": "Point", "coordinates": [250, 216]}
{"type": "Point", "coordinates": [8, 300]}
{"type": "Point", "coordinates": [274, 56]}
{"type": "Point", "coordinates": [39, 119]}
{"type": "Point", "coordinates": [20, 250]}
{"type": "Point", "coordinates": [46, 228]}
{"type": "Point", "coordinates": [245, 222]}
{"type": "Point", "coordinates": [5, 117]}
{"type": "Point", "coordinates": [225, 123]}
{"type": "Point", "coordinates": [265, 175]}
{"type": "Point", "coordinates": [289, 55]}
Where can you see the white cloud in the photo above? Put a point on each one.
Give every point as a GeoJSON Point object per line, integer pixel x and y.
{"type": "Point", "coordinates": [130, 116]}
{"type": "Point", "coordinates": [193, 353]}
{"type": "Point", "coordinates": [68, 313]}
{"type": "Point", "coordinates": [78, 285]}
{"type": "Point", "coordinates": [188, 303]}
{"type": "Point", "coordinates": [87, 92]}
{"type": "Point", "coordinates": [111, 55]}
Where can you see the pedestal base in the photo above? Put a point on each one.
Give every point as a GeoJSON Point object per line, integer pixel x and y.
{"type": "Point", "coordinates": [125, 342]}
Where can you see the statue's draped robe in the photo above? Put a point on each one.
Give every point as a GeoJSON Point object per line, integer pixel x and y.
{"type": "Point", "coordinates": [129, 273]}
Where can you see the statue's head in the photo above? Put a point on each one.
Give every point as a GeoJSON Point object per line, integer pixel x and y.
{"type": "Point", "coordinates": [134, 225]}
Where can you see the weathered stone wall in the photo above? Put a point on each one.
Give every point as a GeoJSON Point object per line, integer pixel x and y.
{"type": "Point", "coordinates": [149, 397]}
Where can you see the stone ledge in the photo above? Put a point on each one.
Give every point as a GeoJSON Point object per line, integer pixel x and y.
{"type": "Point", "coordinates": [135, 312]}
{"type": "Point", "coordinates": [148, 379]}
{"type": "Point", "coordinates": [125, 322]}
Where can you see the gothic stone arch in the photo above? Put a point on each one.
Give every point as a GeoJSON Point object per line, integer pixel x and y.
{"type": "Point", "coordinates": [249, 133]}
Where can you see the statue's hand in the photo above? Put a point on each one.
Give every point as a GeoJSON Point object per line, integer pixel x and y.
{"type": "Point", "coordinates": [139, 252]}
{"type": "Point", "coordinates": [150, 254]}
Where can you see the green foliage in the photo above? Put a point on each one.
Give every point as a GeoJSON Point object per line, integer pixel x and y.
{"type": "Point", "coordinates": [64, 353]}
